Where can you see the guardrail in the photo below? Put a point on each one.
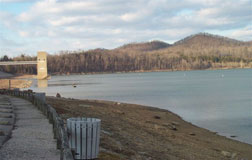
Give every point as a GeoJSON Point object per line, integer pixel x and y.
{"type": "Point", "coordinates": [60, 133]}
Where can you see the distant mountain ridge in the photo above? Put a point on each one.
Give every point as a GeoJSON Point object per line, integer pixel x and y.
{"type": "Point", "coordinates": [144, 46]}
{"type": "Point", "coordinates": [196, 40]}
{"type": "Point", "coordinates": [206, 37]}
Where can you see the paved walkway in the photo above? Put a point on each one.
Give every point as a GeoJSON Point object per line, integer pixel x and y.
{"type": "Point", "coordinates": [32, 137]}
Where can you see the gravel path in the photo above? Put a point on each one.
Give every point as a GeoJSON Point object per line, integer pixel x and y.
{"type": "Point", "coordinates": [32, 137]}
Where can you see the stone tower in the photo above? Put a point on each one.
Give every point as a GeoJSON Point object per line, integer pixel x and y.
{"type": "Point", "coordinates": [42, 65]}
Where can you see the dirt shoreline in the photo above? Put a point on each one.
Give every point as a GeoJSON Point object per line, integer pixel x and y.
{"type": "Point", "coordinates": [131, 131]}
{"type": "Point", "coordinates": [143, 71]}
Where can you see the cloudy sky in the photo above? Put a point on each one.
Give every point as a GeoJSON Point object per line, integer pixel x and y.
{"type": "Point", "coordinates": [27, 26]}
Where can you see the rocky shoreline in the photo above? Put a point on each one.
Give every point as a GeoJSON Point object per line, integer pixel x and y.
{"type": "Point", "coordinates": [132, 131]}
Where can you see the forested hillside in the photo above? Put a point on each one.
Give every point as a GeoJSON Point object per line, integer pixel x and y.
{"type": "Point", "coordinates": [199, 51]}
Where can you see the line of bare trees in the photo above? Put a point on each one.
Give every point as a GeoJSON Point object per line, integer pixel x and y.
{"type": "Point", "coordinates": [198, 52]}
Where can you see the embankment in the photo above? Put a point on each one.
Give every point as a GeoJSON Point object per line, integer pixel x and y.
{"type": "Point", "coordinates": [17, 81]}
{"type": "Point", "coordinates": [132, 131]}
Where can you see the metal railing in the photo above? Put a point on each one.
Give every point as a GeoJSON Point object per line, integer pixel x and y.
{"type": "Point", "coordinates": [60, 133]}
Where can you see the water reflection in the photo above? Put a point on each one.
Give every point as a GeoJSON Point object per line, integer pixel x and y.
{"type": "Point", "coordinates": [42, 83]}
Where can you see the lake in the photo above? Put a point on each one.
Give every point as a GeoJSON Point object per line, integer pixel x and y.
{"type": "Point", "coordinates": [218, 100]}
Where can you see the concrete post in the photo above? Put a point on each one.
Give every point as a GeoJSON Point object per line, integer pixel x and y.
{"type": "Point", "coordinates": [42, 65]}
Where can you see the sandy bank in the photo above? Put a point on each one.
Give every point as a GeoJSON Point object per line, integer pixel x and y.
{"type": "Point", "coordinates": [17, 81]}
{"type": "Point", "coordinates": [139, 132]}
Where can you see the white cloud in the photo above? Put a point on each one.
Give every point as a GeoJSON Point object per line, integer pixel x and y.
{"type": "Point", "coordinates": [23, 33]}
{"type": "Point", "coordinates": [136, 16]}
{"type": "Point", "coordinates": [77, 24]}
{"type": "Point", "coordinates": [12, 1]}
{"type": "Point", "coordinates": [243, 34]}
{"type": "Point", "coordinates": [208, 12]}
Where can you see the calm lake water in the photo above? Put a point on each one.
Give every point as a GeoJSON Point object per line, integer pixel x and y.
{"type": "Point", "coordinates": [219, 100]}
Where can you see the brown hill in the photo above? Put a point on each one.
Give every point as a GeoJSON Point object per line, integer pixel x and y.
{"type": "Point", "coordinates": [208, 40]}
{"type": "Point", "coordinates": [211, 47]}
{"type": "Point", "coordinates": [144, 46]}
